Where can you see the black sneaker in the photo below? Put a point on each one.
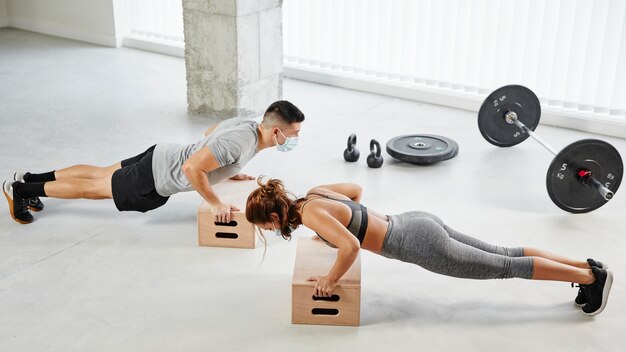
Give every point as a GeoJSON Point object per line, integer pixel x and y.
{"type": "Point", "coordinates": [18, 206]}
{"type": "Point", "coordinates": [598, 292]}
{"type": "Point", "coordinates": [597, 264]}
{"type": "Point", "coordinates": [34, 203]}
{"type": "Point", "coordinates": [581, 299]}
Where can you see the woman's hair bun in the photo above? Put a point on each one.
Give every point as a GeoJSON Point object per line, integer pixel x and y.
{"type": "Point", "coordinates": [271, 188]}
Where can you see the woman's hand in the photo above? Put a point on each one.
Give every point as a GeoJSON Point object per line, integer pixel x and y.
{"type": "Point", "coordinates": [221, 211]}
{"type": "Point", "coordinates": [324, 286]}
{"type": "Point", "coordinates": [242, 177]}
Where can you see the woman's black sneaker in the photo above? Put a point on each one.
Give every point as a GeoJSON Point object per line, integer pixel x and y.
{"type": "Point", "coordinates": [598, 292]}
{"type": "Point", "coordinates": [18, 206]}
{"type": "Point", "coordinates": [34, 203]}
{"type": "Point", "coordinates": [581, 299]}
{"type": "Point", "coordinates": [597, 264]}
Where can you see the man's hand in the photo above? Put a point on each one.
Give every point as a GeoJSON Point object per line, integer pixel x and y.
{"type": "Point", "coordinates": [222, 211]}
{"type": "Point", "coordinates": [324, 286]}
{"type": "Point", "coordinates": [242, 177]}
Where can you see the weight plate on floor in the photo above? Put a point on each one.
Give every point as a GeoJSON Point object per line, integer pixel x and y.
{"type": "Point", "coordinates": [564, 184]}
{"type": "Point", "coordinates": [422, 149]}
{"type": "Point", "coordinates": [492, 124]}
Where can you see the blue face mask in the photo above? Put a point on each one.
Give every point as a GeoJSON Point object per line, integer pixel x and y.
{"type": "Point", "coordinates": [290, 143]}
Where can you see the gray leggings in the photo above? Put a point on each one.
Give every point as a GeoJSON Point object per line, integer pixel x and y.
{"type": "Point", "coordinates": [423, 239]}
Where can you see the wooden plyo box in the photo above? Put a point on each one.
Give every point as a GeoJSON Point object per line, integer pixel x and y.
{"type": "Point", "coordinates": [239, 233]}
{"type": "Point", "coordinates": [314, 258]}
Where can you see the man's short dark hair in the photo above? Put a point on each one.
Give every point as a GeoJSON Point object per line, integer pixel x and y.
{"type": "Point", "coordinates": [284, 111]}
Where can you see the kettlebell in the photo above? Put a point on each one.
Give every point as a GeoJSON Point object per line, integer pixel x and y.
{"type": "Point", "coordinates": [374, 160]}
{"type": "Point", "coordinates": [351, 154]}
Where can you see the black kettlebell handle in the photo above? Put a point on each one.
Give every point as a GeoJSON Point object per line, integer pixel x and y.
{"type": "Point", "coordinates": [351, 142]}
{"type": "Point", "coordinates": [375, 147]}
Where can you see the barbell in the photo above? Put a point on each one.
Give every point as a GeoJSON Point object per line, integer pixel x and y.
{"type": "Point", "coordinates": [582, 176]}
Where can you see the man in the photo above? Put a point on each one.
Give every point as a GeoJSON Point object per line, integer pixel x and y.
{"type": "Point", "coordinates": [146, 181]}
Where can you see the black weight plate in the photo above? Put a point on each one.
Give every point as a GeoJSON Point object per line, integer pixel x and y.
{"type": "Point", "coordinates": [492, 123]}
{"type": "Point", "coordinates": [564, 185]}
{"type": "Point", "coordinates": [422, 148]}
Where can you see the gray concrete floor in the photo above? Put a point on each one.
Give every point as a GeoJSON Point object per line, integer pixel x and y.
{"type": "Point", "coordinates": [85, 277]}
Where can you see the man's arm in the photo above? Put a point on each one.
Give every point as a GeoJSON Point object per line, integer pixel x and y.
{"type": "Point", "coordinates": [196, 168]}
{"type": "Point", "coordinates": [210, 130]}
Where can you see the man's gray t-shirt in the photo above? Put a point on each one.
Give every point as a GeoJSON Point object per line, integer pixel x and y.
{"type": "Point", "coordinates": [233, 143]}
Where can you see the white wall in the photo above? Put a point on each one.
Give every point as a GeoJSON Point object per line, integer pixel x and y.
{"type": "Point", "coordinates": [90, 21]}
{"type": "Point", "coordinates": [3, 14]}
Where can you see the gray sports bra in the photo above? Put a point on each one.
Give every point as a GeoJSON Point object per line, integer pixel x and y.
{"type": "Point", "coordinates": [358, 222]}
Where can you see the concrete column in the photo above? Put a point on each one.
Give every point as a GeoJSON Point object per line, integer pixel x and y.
{"type": "Point", "coordinates": [4, 16]}
{"type": "Point", "coordinates": [233, 55]}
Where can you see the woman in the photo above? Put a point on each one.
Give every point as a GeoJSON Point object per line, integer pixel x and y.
{"type": "Point", "coordinates": [334, 213]}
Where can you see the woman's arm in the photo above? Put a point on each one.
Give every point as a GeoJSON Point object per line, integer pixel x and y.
{"type": "Point", "coordinates": [320, 221]}
{"type": "Point", "coordinates": [350, 190]}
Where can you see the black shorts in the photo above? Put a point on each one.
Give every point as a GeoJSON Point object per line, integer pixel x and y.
{"type": "Point", "coordinates": [133, 185]}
